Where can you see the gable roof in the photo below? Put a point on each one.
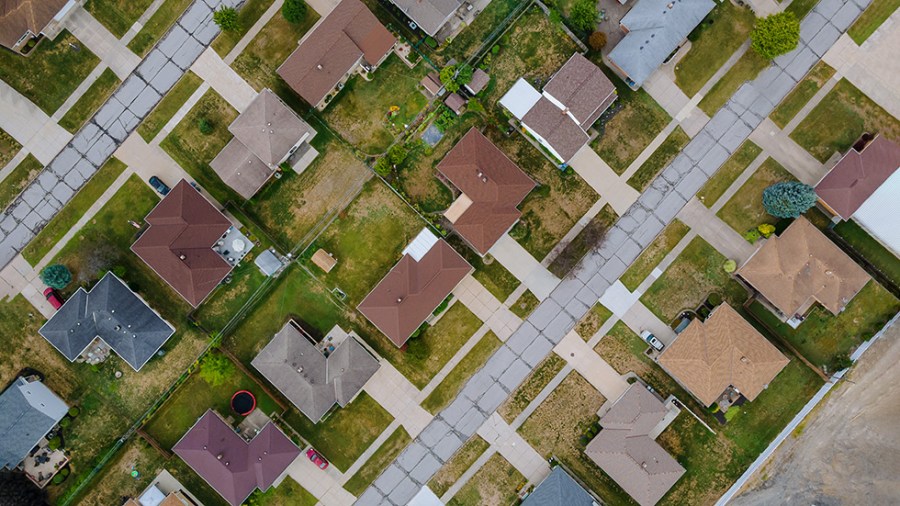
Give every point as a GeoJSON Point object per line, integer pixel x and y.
{"type": "Point", "coordinates": [28, 410]}
{"type": "Point", "coordinates": [429, 15]}
{"type": "Point", "coordinates": [231, 465]}
{"type": "Point", "coordinates": [405, 297]}
{"type": "Point", "coordinates": [725, 350]}
{"type": "Point", "coordinates": [582, 89]}
{"type": "Point", "coordinates": [269, 128]}
{"type": "Point", "coordinates": [858, 175]}
{"type": "Point", "coordinates": [563, 134]}
{"type": "Point", "coordinates": [480, 79]}
{"type": "Point", "coordinates": [655, 28]}
{"type": "Point", "coordinates": [20, 16]}
{"type": "Point", "coordinates": [240, 169]}
{"type": "Point", "coordinates": [309, 379]}
{"type": "Point", "coordinates": [184, 226]}
{"type": "Point", "coordinates": [802, 266]}
{"type": "Point", "coordinates": [348, 33]}
{"type": "Point", "coordinates": [559, 489]}
{"type": "Point", "coordinates": [493, 182]}
{"type": "Point", "coordinates": [115, 314]}
{"type": "Point", "coordinates": [625, 451]}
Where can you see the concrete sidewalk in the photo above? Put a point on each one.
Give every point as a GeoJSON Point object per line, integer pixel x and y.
{"type": "Point", "coordinates": [600, 176]}
{"type": "Point", "coordinates": [30, 126]}
{"type": "Point", "coordinates": [524, 267]}
{"type": "Point", "coordinates": [486, 307]}
{"type": "Point", "coordinates": [101, 42]}
{"type": "Point", "coordinates": [594, 369]}
{"type": "Point", "coordinates": [399, 397]}
{"type": "Point", "coordinates": [788, 153]}
{"type": "Point", "coordinates": [227, 83]}
{"type": "Point", "coordinates": [507, 442]}
{"type": "Point", "coordinates": [715, 231]}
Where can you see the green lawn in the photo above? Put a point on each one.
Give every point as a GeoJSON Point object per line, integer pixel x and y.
{"type": "Point", "coordinates": [879, 256]}
{"type": "Point", "coordinates": [839, 119]}
{"type": "Point", "coordinates": [66, 218]}
{"type": "Point", "coordinates": [539, 378]}
{"type": "Point", "coordinates": [664, 154]}
{"type": "Point", "coordinates": [17, 180]}
{"type": "Point", "coordinates": [446, 391]}
{"type": "Point", "coordinates": [653, 254]}
{"type": "Point", "coordinates": [117, 15]}
{"type": "Point", "coordinates": [9, 147]}
{"type": "Point", "coordinates": [525, 304]}
{"type": "Point", "coordinates": [745, 69]}
{"type": "Point", "coordinates": [495, 483]}
{"type": "Point", "coordinates": [717, 37]}
{"type": "Point", "coordinates": [157, 26]}
{"type": "Point", "coordinates": [488, 271]}
{"type": "Point", "coordinates": [470, 39]}
{"type": "Point", "coordinates": [248, 15]}
{"type": "Point", "coordinates": [589, 237]}
{"type": "Point", "coordinates": [226, 300]}
{"type": "Point", "coordinates": [871, 18]}
{"type": "Point", "coordinates": [591, 322]}
{"type": "Point", "coordinates": [719, 183]}
{"type": "Point", "coordinates": [92, 99]}
{"type": "Point", "coordinates": [441, 343]}
{"type": "Point", "coordinates": [383, 456]}
{"type": "Point", "coordinates": [288, 493]}
{"type": "Point", "coordinates": [688, 281]}
{"type": "Point", "coordinates": [169, 105]}
{"type": "Point", "coordinates": [52, 72]}
{"type": "Point", "coordinates": [801, 7]}
{"type": "Point", "coordinates": [458, 464]}
{"type": "Point", "coordinates": [744, 211]}
{"type": "Point", "coordinates": [801, 95]}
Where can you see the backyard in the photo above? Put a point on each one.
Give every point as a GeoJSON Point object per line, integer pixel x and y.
{"type": "Point", "coordinates": [157, 26]}
{"type": "Point", "coordinates": [169, 105]}
{"type": "Point", "coordinates": [665, 153]}
{"type": "Point", "coordinates": [117, 15]}
{"type": "Point", "coordinates": [870, 249]}
{"type": "Point", "coordinates": [467, 42]}
{"type": "Point", "coordinates": [539, 378]}
{"type": "Point", "coordinates": [497, 482]}
{"type": "Point", "coordinates": [744, 211]}
{"type": "Point", "coordinates": [728, 173]}
{"type": "Point", "coordinates": [288, 493]}
{"type": "Point", "coordinates": [386, 453]}
{"type": "Point", "coordinates": [654, 254]}
{"type": "Point", "coordinates": [802, 94]}
{"type": "Point", "coordinates": [458, 464]}
{"type": "Point", "coordinates": [93, 98]}
{"type": "Point", "coordinates": [448, 389]}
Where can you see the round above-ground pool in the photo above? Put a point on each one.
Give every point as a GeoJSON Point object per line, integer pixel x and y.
{"type": "Point", "coordinates": [243, 402]}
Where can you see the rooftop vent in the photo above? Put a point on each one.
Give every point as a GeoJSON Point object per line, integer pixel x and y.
{"type": "Point", "coordinates": [319, 66]}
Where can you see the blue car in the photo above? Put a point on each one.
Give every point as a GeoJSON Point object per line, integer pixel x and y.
{"type": "Point", "coordinates": [159, 186]}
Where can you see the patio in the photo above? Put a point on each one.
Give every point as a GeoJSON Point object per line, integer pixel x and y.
{"type": "Point", "coordinates": [43, 463]}
{"type": "Point", "coordinates": [611, 13]}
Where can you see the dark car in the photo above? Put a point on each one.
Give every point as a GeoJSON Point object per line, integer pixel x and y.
{"type": "Point", "coordinates": [317, 459]}
{"type": "Point", "coordinates": [159, 186]}
{"type": "Point", "coordinates": [53, 298]}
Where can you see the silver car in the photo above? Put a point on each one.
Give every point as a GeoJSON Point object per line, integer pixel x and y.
{"type": "Point", "coordinates": [652, 340]}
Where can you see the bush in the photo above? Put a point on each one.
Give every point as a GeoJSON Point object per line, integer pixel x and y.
{"type": "Point", "coordinates": [417, 348]}
{"type": "Point", "coordinates": [64, 471]}
{"type": "Point", "coordinates": [788, 199]}
{"type": "Point", "coordinates": [714, 299]}
{"type": "Point", "coordinates": [294, 11]}
{"type": "Point", "coordinates": [495, 49]}
{"type": "Point", "coordinates": [382, 167]}
{"type": "Point", "coordinates": [54, 443]}
{"type": "Point", "coordinates": [766, 230]}
{"type": "Point", "coordinates": [752, 235]}
{"type": "Point", "coordinates": [454, 76]}
{"type": "Point", "coordinates": [584, 15]}
{"type": "Point", "coordinates": [215, 369]}
{"type": "Point", "coordinates": [430, 42]}
{"type": "Point", "coordinates": [65, 422]}
{"type": "Point", "coordinates": [74, 411]}
{"type": "Point", "coordinates": [58, 479]}
{"type": "Point", "coordinates": [227, 19]}
{"type": "Point", "coordinates": [597, 41]}
{"type": "Point", "coordinates": [397, 154]}
{"type": "Point", "coordinates": [842, 361]}
{"type": "Point", "coordinates": [56, 276]}
{"type": "Point", "coordinates": [729, 266]}
{"type": "Point", "coordinates": [775, 35]}
{"type": "Point", "coordinates": [205, 126]}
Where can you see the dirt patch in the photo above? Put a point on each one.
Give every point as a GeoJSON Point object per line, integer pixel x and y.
{"type": "Point", "coordinates": [458, 464]}
{"type": "Point", "coordinates": [531, 387]}
{"type": "Point", "coordinates": [495, 484]}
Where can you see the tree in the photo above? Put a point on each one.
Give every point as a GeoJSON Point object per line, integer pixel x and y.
{"type": "Point", "coordinates": [215, 369]}
{"type": "Point", "coordinates": [227, 19]}
{"type": "Point", "coordinates": [16, 488]}
{"type": "Point", "coordinates": [464, 74]}
{"type": "Point", "coordinates": [294, 11]}
{"type": "Point", "coordinates": [56, 276]}
{"type": "Point", "coordinates": [775, 35]}
{"type": "Point", "coordinates": [584, 15]}
{"type": "Point", "coordinates": [597, 41]}
{"type": "Point", "coordinates": [788, 199]}
{"type": "Point", "coordinates": [448, 78]}
{"type": "Point", "coordinates": [205, 126]}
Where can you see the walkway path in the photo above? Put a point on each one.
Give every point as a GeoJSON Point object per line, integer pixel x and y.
{"type": "Point", "coordinates": [506, 441]}
{"type": "Point", "coordinates": [222, 78]}
{"type": "Point", "coordinates": [30, 126]}
{"type": "Point", "coordinates": [788, 153]}
{"type": "Point", "coordinates": [323, 485]}
{"type": "Point", "coordinates": [257, 27]}
{"type": "Point", "coordinates": [666, 93]}
{"type": "Point", "coordinates": [486, 307]}
{"type": "Point", "coordinates": [600, 176]}
{"type": "Point", "coordinates": [594, 369]}
{"type": "Point", "coordinates": [399, 397]}
{"type": "Point", "coordinates": [715, 231]}
{"type": "Point", "coordinates": [111, 51]}
{"type": "Point", "coordinates": [524, 267]}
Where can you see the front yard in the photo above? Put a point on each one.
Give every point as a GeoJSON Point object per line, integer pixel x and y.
{"type": "Point", "coordinates": [117, 15]}
{"type": "Point", "coordinates": [748, 66]}
{"type": "Point", "coordinates": [378, 462]}
{"type": "Point", "coordinates": [458, 464]}
{"type": "Point", "coordinates": [586, 239]}
{"type": "Point", "coordinates": [654, 254]}
{"type": "Point", "coordinates": [539, 378]}
{"type": "Point", "coordinates": [441, 342]}
{"type": "Point", "coordinates": [591, 322]}
{"type": "Point", "coordinates": [744, 211]}
{"type": "Point", "coordinates": [497, 482]}
{"type": "Point", "coordinates": [728, 173]}
{"type": "Point", "coordinates": [802, 94]}
{"type": "Point", "coordinates": [665, 153]}
{"type": "Point", "coordinates": [447, 390]}
{"type": "Point", "coordinates": [248, 15]}
{"type": "Point", "coordinates": [93, 98]}
{"type": "Point", "coordinates": [169, 105]}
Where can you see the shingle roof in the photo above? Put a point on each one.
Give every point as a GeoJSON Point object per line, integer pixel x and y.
{"type": "Point", "coordinates": [725, 350]}
{"type": "Point", "coordinates": [309, 379]}
{"type": "Point", "coordinates": [269, 128]}
{"type": "Point", "coordinates": [348, 33]}
{"type": "Point", "coordinates": [28, 410]}
{"type": "Point", "coordinates": [184, 226]}
{"type": "Point", "coordinates": [625, 451]}
{"type": "Point", "coordinates": [240, 169]}
{"type": "Point", "coordinates": [556, 127]}
{"type": "Point", "coordinates": [583, 89]}
{"type": "Point", "coordinates": [412, 290]}
{"type": "Point", "coordinates": [802, 266]}
{"type": "Point", "coordinates": [480, 79]}
{"type": "Point", "coordinates": [559, 489]}
{"type": "Point", "coordinates": [857, 175]}
{"type": "Point", "coordinates": [430, 15]}
{"type": "Point", "coordinates": [455, 102]}
{"type": "Point", "coordinates": [20, 16]}
{"type": "Point", "coordinates": [494, 183]}
{"type": "Point", "coordinates": [115, 314]}
{"type": "Point", "coordinates": [655, 29]}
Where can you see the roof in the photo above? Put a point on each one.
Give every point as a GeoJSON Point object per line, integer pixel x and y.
{"type": "Point", "coordinates": [625, 451]}
{"type": "Point", "coordinates": [709, 356]}
{"type": "Point", "coordinates": [582, 89]}
{"type": "Point", "coordinates": [112, 312]}
{"type": "Point", "coordinates": [402, 301]}
{"type": "Point", "coordinates": [520, 98]}
{"type": "Point", "coordinates": [878, 215]}
{"type": "Point", "coordinates": [267, 262]}
{"type": "Point", "coordinates": [309, 379]}
{"type": "Point", "coordinates": [655, 29]}
{"type": "Point", "coordinates": [20, 16]}
{"type": "Point", "coordinates": [269, 128]}
{"type": "Point", "coordinates": [494, 184]}
{"type": "Point", "coordinates": [559, 489]}
{"type": "Point", "coordinates": [240, 169]}
{"type": "Point", "coordinates": [324, 260]}
{"type": "Point", "coordinates": [556, 127]}
{"type": "Point", "coordinates": [430, 15]}
{"type": "Point", "coordinates": [28, 410]}
{"type": "Point", "coordinates": [480, 79]}
{"type": "Point", "coordinates": [455, 102]}
{"type": "Point", "coordinates": [184, 226]}
{"type": "Point", "coordinates": [802, 266]}
{"type": "Point", "coordinates": [858, 175]}
{"type": "Point", "coordinates": [432, 83]}
{"type": "Point", "coordinates": [231, 465]}
{"type": "Point", "coordinates": [324, 57]}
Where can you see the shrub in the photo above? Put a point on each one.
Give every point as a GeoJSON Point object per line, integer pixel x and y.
{"type": "Point", "coordinates": [454, 76]}
{"type": "Point", "coordinates": [74, 411]}
{"type": "Point", "coordinates": [294, 11]}
{"type": "Point", "coordinates": [584, 15]}
{"type": "Point", "coordinates": [430, 42]}
{"type": "Point", "coordinates": [215, 369]}
{"type": "Point", "coordinates": [205, 126]}
{"type": "Point", "coordinates": [417, 348]}
{"type": "Point", "coordinates": [775, 35]}
{"type": "Point", "coordinates": [597, 41]}
{"type": "Point", "coordinates": [788, 199]}
{"type": "Point", "coordinates": [729, 266]}
{"type": "Point", "coordinates": [752, 235]}
{"type": "Point", "coordinates": [842, 361]}
{"type": "Point", "coordinates": [65, 422]}
{"type": "Point", "coordinates": [495, 49]}
{"type": "Point", "coordinates": [464, 74]}
{"type": "Point", "coordinates": [58, 479]}
{"type": "Point", "coordinates": [714, 299]}
{"type": "Point", "coordinates": [382, 167]}
{"type": "Point", "coordinates": [766, 230]}
{"type": "Point", "coordinates": [227, 19]}
{"type": "Point", "coordinates": [54, 443]}
{"type": "Point", "coordinates": [56, 276]}
{"type": "Point", "coordinates": [397, 154]}
{"type": "Point", "coordinates": [64, 471]}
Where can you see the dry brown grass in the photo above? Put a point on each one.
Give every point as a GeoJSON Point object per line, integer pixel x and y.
{"type": "Point", "coordinates": [531, 387]}
{"type": "Point", "coordinates": [495, 484]}
{"type": "Point", "coordinates": [458, 464]}
{"type": "Point", "coordinates": [592, 321]}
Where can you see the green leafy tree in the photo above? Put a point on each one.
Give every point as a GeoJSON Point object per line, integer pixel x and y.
{"type": "Point", "coordinates": [447, 76]}
{"type": "Point", "coordinates": [584, 15]}
{"type": "Point", "coordinates": [56, 276]}
{"type": "Point", "coordinates": [788, 199]}
{"type": "Point", "coordinates": [464, 74]}
{"type": "Point", "coordinates": [215, 369]}
{"type": "Point", "coordinates": [597, 41]}
{"type": "Point", "coordinates": [227, 19]}
{"type": "Point", "coordinates": [383, 167]}
{"type": "Point", "coordinates": [775, 35]}
{"type": "Point", "coordinates": [294, 11]}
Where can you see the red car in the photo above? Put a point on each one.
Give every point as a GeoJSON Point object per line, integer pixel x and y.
{"type": "Point", "coordinates": [317, 459]}
{"type": "Point", "coordinates": [53, 298]}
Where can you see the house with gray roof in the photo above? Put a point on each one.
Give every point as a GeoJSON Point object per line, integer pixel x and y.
{"type": "Point", "coordinates": [112, 313]}
{"type": "Point", "coordinates": [654, 30]}
{"type": "Point", "coordinates": [28, 411]}
{"type": "Point", "coordinates": [316, 376]}
{"type": "Point", "coordinates": [560, 488]}
{"type": "Point", "coordinates": [429, 15]}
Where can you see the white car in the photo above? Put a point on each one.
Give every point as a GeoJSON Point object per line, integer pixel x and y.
{"type": "Point", "coordinates": [652, 340]}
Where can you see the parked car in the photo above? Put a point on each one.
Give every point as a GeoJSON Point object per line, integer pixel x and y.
{"type": "Point", "coordinates": [317, 459]}
{"type": "Point", "coordinates": [652, 340]}
{"type": "Point", "coordinates": [159, 186]}
{"type": "Point", "coordinates": [53, 298]}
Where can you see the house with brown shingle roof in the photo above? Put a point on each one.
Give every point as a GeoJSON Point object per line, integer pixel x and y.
{"type": "Point", "coordinates": [426, 274]}
{"type": "Point", "coordinates": [349, 39]}
{"type": "Point", "coordinates": [625, 448]}
{"type": "Point", "coordinates": [800, 268]}
{"type": "Point", "coordinates": [23, 20]}
{"type": "Point", "coordinates": [721, 355]}
{"type": "Point", "coordinates": [492, 188]}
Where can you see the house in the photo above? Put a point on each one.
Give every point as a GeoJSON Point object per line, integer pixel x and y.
{"type": "Point", "coordinates": [316, 376]}
{"type": "Point", "coordinates": [863, 186]}
{"type": "Point", "coordinates": [112, 313]}
{"type": "Point", "coordinates": [165, 490]}
{"type": "Point", "coordinates": [626, 449]}
{"type": "Point", "coordinates": [349, 39]}
{"type": "Point", "coordinates": [559, 488]}
{"type": "Point", "coordinates": [480, 80]}
{"type": "Point", "coordinates": [432, 85]}
{"type": "Point", "coordinates": [23, 20]}
{"type": "Point", "coordinates": [231, 465]}
{"type": "Point", "coordinates": [428, 15]}
{"type": "Point", "coordinates": [491, 185]}
{"type": "Point", "coordinates": [28, 411]}
{"type": "Point", "coordinates": [455, 102]}
{"type": "Point", "coordinates": [190, 243]}
{"type": "Point", "coordinates": [426, 274]}
{"type": "Point", "coordinates": [722, 358]}
{"type": "Point", "coordinates": [654, 30]}
{"type": "Point", "coordinates": [267, 134]}
{"type": "Point", "coordinates": [572, 101]}
{"type": "Point", "coordinates": [801, 267]}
